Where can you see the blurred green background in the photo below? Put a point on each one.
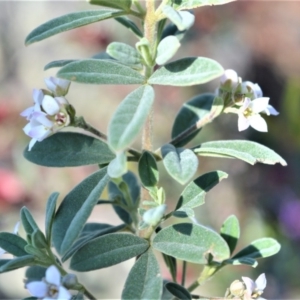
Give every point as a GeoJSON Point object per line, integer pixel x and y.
{"type": "Point", "coordinates": [259, 39]}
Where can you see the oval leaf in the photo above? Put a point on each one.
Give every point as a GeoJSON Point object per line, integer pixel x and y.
{"type": "Point", "coordinates": [129, 118]}
{"type": "Point", "coordinates": [148, 170]}
{"type": "Point", "coordinates": [263, 247]}
{"type": "Point", "coordinates": [180, 163]}
{"type": "Point", "coordinates": [17, 263]}
{"type": "Point", "coordinates": [27, 220]}
{"type": "Point", "coordinates": [230, 232]}
{"type": "Point", "coordinates": [12, 244]}
{"type": "Point", "coordinates": [248, 261]}
{"type": "Point", "coordinates": [190, 4]}
{"type": "Point", "coordinates": [250, 152]}
{"type": "Point", "coordinates": [130, 25]}
{"type": "Point", "coordinates": [194, 193]}
{"type": "Point", "coordinates": [144, 280]}
{"type": "Point", "coordinates": [178, 291]}
{"type": "Point", "coordinates": [191, 242]}
{"type": "Point", "coordinates": [58, 63]}
{"type": "Point", "coordinates": [107, 250]}
{"type": "Point", "coordinates": [70, 21]}
{"type": "Point", "coordinates": [71, 204]}
{"type": "Point", "coordinates": [69, 149]}
{"type": "Point", "coordinates": [50, 214]}
{"type": "Point", "coordinates": [187, 71]}
{"type": "Point", "coordinates": [123, 4]}
{"type": "Point", "coordinates": [100, 71]}
{"type": "Point", "coordinates": [166, 49]}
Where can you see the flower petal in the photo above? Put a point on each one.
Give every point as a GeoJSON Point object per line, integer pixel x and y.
{"type": "Point", "coordinates": [245, 105]}
{"type": "Point", "coordinates": [16, 228]}
{"type": "Point", "coordinates": [243, 122]}
{"type": "Point", "coordinates": [231, 75]}
{"type": "Point", "coordinates": [250, 284]}
{"type": "Point", "coordinates": [50, 105]}
{"type": "Point", "coordinates": [37, 96]}
{"type": "Point", "coordinates": [260, 104]}
{"type": "Point", "coordinates": [257, 91]}
{"type": "Point", "coordinates": [37, 289]}
{"type": "Point", "coordinates": [258, 123]}
{"type": "Point", "coordinates": [270, 110]}
{"type": "Point", "coordinates": [261, 282]}
{"type": "Point", "coordinates": [63, 293]}
{"type": "Point", "coordinates": [58, 86]}
{"type": "Point", "coordinates": [53, 276]}
{"type": "Point", "coordinates": [27, 112]}
{"type": "Point", "coordinates": [31, 144]}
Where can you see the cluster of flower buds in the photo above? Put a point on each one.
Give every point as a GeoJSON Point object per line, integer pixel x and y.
{"type": "Point", "coordinates": [50, 111]}
{"type": "Point", "coordinates": [247, 289]}
{"type": "Point", "coordinates": [246, 100]}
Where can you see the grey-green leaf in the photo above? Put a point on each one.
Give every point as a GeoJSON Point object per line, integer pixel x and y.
{"type": "Point", "coordinates": [130, 25]}
{"type": "Point", "coordinates": [70, 21]}
{"type": "Point", "coordinates": [148, 170]}
{"type": "Point", "coordinates": [12, 244]}
{"type": "Point", "coordinates": [166, 49]}
{"type": "Point", "coordinates": [121, 4]}
{"type": "Point", "coordinates": [58, 63]}
{"type": "Point", "coordinates": [16, 263]}
{"type": "Point", "coordinates": [108, 250]}
{"type": "Point", "coordinates": [186, 72]}
{"type": "Point", "coordinates": [144, 280]}
{"type": "Point", "coordinates": [230, 232]}
{"type": "Point", "coordinates": [129, 117]}
{"type": "Point", "coordinates": [191, 242]}
{"type": "Point", "coordinates": [69, 149]}
{"type": "Point", "coordinates": [190, 113]}
{"type": "Point", "coordinates": [118, 166]}
{"type": "Point", "coordinates": [180, 163]}
{"type": "Point", "coordinates": [190, 4]}
{"type": "Point", "coordinates": [248, 261]}
{"type": "Point", "coordinates": [124, 54]}
{"type": "Point", "coordinates": [72, 204]}
{"type": "Point", "coordinates": [27, 220]}
{"type": "Point", "coordinates": [250, 152]}
{"type": "Point", "coordinates": [100, 71]}
{"type": "Point", "coordinates": [194, 193]}
{"type": "Point", "coordinates": [178, 291]}
{"type": "Point", "coordinates": [50, 214]}
{"type": "Point", "coordinates": [263, 247]}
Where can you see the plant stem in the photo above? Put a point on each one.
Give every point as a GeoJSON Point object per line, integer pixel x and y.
{"type": "Point", "coordinates": [183, 273]}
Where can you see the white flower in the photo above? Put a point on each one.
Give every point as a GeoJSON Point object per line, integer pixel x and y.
{"type": "Point", "coordinates": [250, 87]}
{"type": "Point", "coordinates": [16, 229]}
{"type": "Point", "coordinates": [254, 289]}
{"type": "Point", "coordinates": [50, 287]}
{"type": "Point", "coordinates": [249, 114]}
{"type": "Point", "coordinates": [230, 76]}
{"type": "Point", "coordinates": [37, 96]}
{"type": "Point", "coordinates": [153, 215]}
{"type": "Point", "coordinates": [59, 87]}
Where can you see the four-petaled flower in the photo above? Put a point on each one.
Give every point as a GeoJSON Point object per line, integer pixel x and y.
{"type": "Point", "coordinates": [16, 229]}
{"type": "Point", "coordinates": [49, 113]}
{"type": "Point", "coordinates": [50, 287]}
{"type": "Point", "coordinates": [254, 289]}
{"type": "Point", "coordinates": [249, 114]}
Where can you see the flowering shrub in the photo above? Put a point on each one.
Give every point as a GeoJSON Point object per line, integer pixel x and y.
{"type": "Point", "coordinates": [137, 198]}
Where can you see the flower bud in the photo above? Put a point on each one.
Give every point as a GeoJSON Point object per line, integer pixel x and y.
{"type": "Point", "coordinates": [154, 215]}
{"type": "Point", "coordinates": [69, 281]}
{"type": "Point", "coordinates": [58, 86]}
{"type": "Point", "coordinates": [237, 288]}
{"type": "Point", "coordinates": [230, 79]}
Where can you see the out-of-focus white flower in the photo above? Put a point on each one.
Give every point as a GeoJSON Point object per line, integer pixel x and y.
{"type": "Point", "coordinates": [58, 86]}
{"type": "Point", "coordinates": [50, 287]}
{"type": "Point", "coordinates": [153, 215]}
{"type": "Point", "coordinates": [249, 114]}
{"type": "Point", "coordinates": [230, 77]}
{"type": "Point", "coordinates": [253, 88]}
{"type": "Point", "coordinates": [16, 229]}
{"type": "Point", "coordinates": [254, 289]}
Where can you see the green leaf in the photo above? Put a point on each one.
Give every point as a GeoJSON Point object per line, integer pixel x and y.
{"type": "Point", "coordinates": [190, 113]}
{"type": "Point", "coordinates": [180, 163]}
{"type": "Point", "coordinates": [108, 250]}
{"type": "Point", "coordinates": [230, 232]}
{"type": "Point", "coordinates": [144, 280]}
{"type": "Point", "coordinates": [250, 152]}
{"type": "Point", "coordinates": [86, 237]}
{"type": "Point", "coordinates": [187, 71]}
{"type": "Point", "coordinates": [69, 149]}
{"type": "Point", "coordinates": [166, 49]}
{"type": "Point", "coordinates": [183, 20]}
{"type": "Point", "coordinates": [118, 166]}
{"type": "Point", "coordinates": [17, 263]}
{"type": "Point", "coordinates": [248, 261]}
{"type": "Point", "coordinates": [148, 170]}
{"type": "Point", "coordinates": [100, 71]}
{"type": "Point", "coordinates": [194, 193]}
{"type": "Point", "coordinates": [123, 4]}
{"type": "Point", "coordinates": [127, 193]}
{"type": "Point", "coordinates": [125, 54]}
{"type": "Point", "coordinates": [50, 214]}
{"type": "Point", "coordinates": [58, 63]}
{"type": "Point", "coordinates": [171, 263]}
{"type": "Point", "coordinates": [178, 291]}
{"type": "Point", "coordinates": [191, 242]}
{"type": "Point", "coordinates": [35, 273]}
{"type": "Point", "coordinates": [130, 25]}
{"type": "Point", "coordinates": [166, 295]}
{"type": "Point", "coordinates": [70, 21]}
{"type": "Point", "coordinates": [72, 204]}
{"type": "Point", "coordinates": [129, 118]}
{"type": "Point", "coordinates": [184, 212]}
{"type": "Point", "coordinates": [27, 220]}
{"type": "Point", "coordinates": [12, 244]}
{"type": "Point", "coordinates": [38, 240]}
{"type": "Point", "coordinates": [190, 4]}
{"type": "Point", "coordinates": [263, 247]}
